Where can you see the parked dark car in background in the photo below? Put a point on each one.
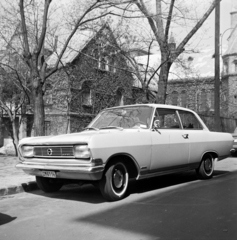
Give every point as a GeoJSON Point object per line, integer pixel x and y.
{"type": "Point", "coordinates": [234, 134]}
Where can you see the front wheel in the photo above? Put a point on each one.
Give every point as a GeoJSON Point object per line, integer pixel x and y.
{"type": "Point", "coordinates": [206, 168]}
{"type": "Point", "coordinates": [48, 184]}
{"type": "Point", "coordinates": [114, 184]}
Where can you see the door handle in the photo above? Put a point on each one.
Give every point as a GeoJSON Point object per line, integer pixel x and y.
{"type": "Point", "coordinates": [185, 136]}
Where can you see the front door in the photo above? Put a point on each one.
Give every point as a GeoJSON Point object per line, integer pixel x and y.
{"type": "Point", "coordinates": [170, 144]}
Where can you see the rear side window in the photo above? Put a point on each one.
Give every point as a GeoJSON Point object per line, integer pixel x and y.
{"type": "Point", "coordinates": [190, 121]}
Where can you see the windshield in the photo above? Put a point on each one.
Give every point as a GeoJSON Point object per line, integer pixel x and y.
{"type": "Point", "coordinates": [123, 117]}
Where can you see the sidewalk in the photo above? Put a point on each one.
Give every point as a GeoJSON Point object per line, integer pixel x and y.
{"type": "Point", "coordinates": [13, 180]}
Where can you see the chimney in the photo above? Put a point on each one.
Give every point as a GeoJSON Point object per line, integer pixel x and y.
{"type": "Point", "coordinates": [172, 44]}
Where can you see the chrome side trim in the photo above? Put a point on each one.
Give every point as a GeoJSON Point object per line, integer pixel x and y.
{"type": "Point", "coordinates": [166, 171]}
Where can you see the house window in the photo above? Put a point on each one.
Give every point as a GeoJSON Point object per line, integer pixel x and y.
{"type": "Point", "coordinates": [86, 97]}
{"type": "Point", "coordinates": [99, 54]}
{"type": "Point", "coordinates": [226, 67]}
{"type": "Point", "coordinates": [235, 66]}
{"type": "Point", "coordinates": [212, 98]}
{"type": "Point", "coordinates": [183, 99]}
{"type": "Point", "coordinates": [203, 101]}
{"type": "Point", "coordinates": [96, 56]}
{"type": "Point", "coordinates": [174, 98]}
{"type": "Point", "coordinates": [120, 98]}
{"type": "Point", "coordinates": [47, 127]}
{"type": "Point", "coordinates": [235, 99]}
{"type": "Point", "coordinates": [48, 98]}
{"type": "Point", "coordinates": [102, 63]}
{"type": "Point", "coordinates": [112, 66]}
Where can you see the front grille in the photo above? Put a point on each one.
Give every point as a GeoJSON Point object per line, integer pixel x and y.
{"type": "Point", "coordinates": [53, 151]}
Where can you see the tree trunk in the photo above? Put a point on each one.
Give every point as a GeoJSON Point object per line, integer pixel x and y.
{"type": "Point", "coordinates": [15, 135]}
{"type": "Point", "coordinates": [39, 116]}
{"type": "Point", "coordinates": [163, 78]}
{"type": "Point", "coordinates": [1, 130]}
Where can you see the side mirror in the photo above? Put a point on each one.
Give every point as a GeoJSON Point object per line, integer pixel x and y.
{"type": "Point", "coordinates": [156, 124]}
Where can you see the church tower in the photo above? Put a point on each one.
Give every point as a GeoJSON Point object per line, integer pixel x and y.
{"type": "Point", "coordinates": [229, 77]}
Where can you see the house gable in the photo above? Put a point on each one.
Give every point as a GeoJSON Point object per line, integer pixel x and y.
{"type": "Point", "coordinates": [98, 77]}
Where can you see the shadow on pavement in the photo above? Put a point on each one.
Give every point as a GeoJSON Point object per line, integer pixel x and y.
{"type": "Point", "coordinates": [4, 218]}
{"type": "Point", "coordinates": [200, 210]}
{"type": "Point", "coordinates": [73, 192]}
{"type": "Point", "coordinates": [89, 193]}
{"type": "Point", "coordinates": [166, 181]}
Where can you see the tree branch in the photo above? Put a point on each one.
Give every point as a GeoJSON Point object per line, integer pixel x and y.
{"type": "Point", "coordinates": [44, 27]}
{"type": "Point", "coordinates": [148, 60]}
{"type": "Point", "coordinates": [169, 20]}
{"type": "Point", "coordinates": [26, 47]}
{"type": "Point", "coordinates": [149, 17]}
{"type": "Point", "coordinates": [180, 48]}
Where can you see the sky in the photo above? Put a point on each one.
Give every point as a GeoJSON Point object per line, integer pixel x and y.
{"type": "Point", "coordinates": [205, 36]}
{"type": "Point", "coordinates": [202, 64]}
{"type": "Point", "coordinates": [225, 9]}
{"type": "Point", "coordinates": [208, 39]}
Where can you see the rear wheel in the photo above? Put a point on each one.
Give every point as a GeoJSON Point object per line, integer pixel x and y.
{"type": "Point", "coordinates": [48, 184]}
{"type": "Point", "coordinates": [114, 184]}
{"type": "Point", "coordinates": [206, 168]}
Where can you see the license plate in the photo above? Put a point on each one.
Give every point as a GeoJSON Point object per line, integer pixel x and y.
{"type": "Point", "coordinates": [49, 174]}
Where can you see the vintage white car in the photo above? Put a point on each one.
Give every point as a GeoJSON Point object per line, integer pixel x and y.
{"type": "Point", "coordinates": [135, 141]}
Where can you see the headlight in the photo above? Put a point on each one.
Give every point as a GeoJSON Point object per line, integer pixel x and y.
{"type": "Point", "coordinates": [27, 151]}
{"type": "Point", "coordinates": [82, 151]}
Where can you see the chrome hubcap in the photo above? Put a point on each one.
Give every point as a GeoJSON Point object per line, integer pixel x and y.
{"type": "Point", "coordinates": [118, 178]}
{"type": "Point", "coordinates": [208, 165]}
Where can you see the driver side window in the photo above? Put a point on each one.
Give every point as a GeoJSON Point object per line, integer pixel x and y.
{"type": "Point", "coordinates": [167, 119]}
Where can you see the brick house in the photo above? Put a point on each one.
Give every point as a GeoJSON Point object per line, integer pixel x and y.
{"type": "Point", "coordinates": [93, 75]}
{"type": "Point", "coordinates": [229, 77]}
{"type": "Point", "coordinates": [197, 92]}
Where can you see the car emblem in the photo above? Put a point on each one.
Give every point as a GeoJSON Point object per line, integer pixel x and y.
{"type": "Point", "coordinates": [49, 151]}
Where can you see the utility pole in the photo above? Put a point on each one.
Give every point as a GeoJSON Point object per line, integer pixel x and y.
{"type": "Point", "coordinates": [217, 67]}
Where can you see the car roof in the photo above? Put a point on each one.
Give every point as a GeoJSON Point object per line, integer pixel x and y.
{"type": "Point", "coordinates": [154, 105]}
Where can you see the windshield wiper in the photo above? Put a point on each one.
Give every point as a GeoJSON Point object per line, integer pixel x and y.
{"type": "Point", "coordinates": [108, 127]}
{"type": "Point", "coordinates": [91, 128]}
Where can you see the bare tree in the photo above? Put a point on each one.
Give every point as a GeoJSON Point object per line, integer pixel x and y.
{"type": "Point", "coordinates": [161, 16]}
{"type": "Point", "coordinates": [36, 28]}
{"type": "Point", "coordinates": [14, 96]}
{"type": "Point", "coordinates": [161, 30]}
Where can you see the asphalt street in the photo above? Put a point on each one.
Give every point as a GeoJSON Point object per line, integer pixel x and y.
{"type": "Point", "coordinates": [177, 206]}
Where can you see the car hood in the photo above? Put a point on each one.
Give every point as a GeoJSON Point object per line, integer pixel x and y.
{"type": "Point", "coordinates": [72, 138]}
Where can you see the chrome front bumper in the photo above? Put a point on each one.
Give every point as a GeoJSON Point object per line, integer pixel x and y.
{"type": "Point", "coordinates": [88, 171]}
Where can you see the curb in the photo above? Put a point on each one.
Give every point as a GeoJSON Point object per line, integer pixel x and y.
{"type": "Point", "coordinates": [24, 187]}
